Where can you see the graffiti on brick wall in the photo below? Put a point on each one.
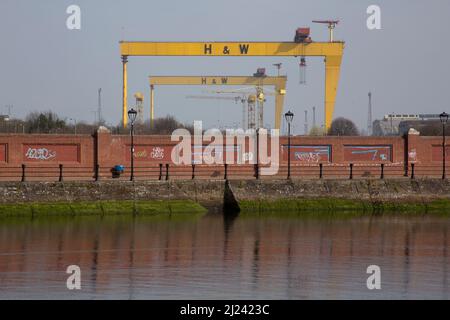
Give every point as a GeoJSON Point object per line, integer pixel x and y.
{"type": "Point", "coordinates": [3, 152]}
{"type": "Point", "coordinates": [40, 154]}
{"type": "Point", "coordinates": [163, 154]}
{"type": "Point", "coordinates": [149, 153]}
{"type": "Point", "coordinates": [157, 153]}
{"type": "Point", "coordinates": [47, 153]}
{"type": "Point", "coordinates": [436, 153]}
{"type": "Point", "coordinates": [367, 153]}
{"type": "Point", "coordinates": [308, 154]}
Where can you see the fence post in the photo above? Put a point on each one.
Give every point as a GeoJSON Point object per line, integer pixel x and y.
{"type": "Point", "coordinates": [97, 172]}
{"type": "Point", "coordinates": [160, 171]}
{"type": "Point", "coordinates": [226, 172]}
{"type": "Point", "coordinates": [193, 171]}
{"type": "Point", "coordinates": [321, 170]}
{"type": "Point", "coordinates": [382, 171]}
{"type": "Point", "coordinates": [23, 173]}
{"type": "Point", "coordinates": [167, 171]}
{"type": "Point", "coordinates": [351, 171]}
{"type": "Point", "coordinates": [60, 173]}
{"type": "Point", "coordinates": [412, 171]}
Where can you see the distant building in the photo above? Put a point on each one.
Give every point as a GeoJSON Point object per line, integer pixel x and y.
{"type": "Point", "coordinates": [425, 127]}
{"type": "Point", "coordinates": [399, 124]}
{"type": "Point", "coordinates": [4, 118]}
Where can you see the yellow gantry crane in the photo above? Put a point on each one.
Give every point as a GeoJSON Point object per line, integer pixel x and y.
{"type": "Point", "coordinates": [302, 46]}
{"type": "Point", "coordinates": [258, 80]}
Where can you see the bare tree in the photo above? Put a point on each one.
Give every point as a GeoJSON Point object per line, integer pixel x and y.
{"type": "Point", "coordinates": [44, 122]}
{"type": "Point", "coordinates": [316, 131]}
{"type": "Point", "coordinates": [161, 126]}
{"type": "Point", "coordinates": [343, 127]}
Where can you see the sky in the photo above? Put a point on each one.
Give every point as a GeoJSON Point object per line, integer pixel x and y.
{"type": "Point", "coordinates": [46, 66]}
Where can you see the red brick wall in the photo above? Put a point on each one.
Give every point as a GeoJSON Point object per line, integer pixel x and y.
{"type": "Point", "coordinates": [77, 150]}
{"type": "Point", "coordinates": [340, 148]}
{"type": "Point", "coordinates": [106, 150]}
{"type": "Point", "coordinates": [3, 147]}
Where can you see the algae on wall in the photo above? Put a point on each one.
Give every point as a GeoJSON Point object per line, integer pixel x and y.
{"type": "Point", "coordinates": [334, 204]}
{"type": "Point", "coordinates": [152, 207]}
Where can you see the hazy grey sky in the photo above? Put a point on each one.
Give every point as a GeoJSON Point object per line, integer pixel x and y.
{"type": "Point", "coordinates": [46, 66]}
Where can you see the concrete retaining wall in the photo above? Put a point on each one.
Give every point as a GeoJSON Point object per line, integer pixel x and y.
{"type": "Point", "coordinates": [211, 193]}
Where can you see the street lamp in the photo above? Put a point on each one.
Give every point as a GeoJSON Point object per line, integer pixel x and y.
{"type": "Point", "coordinates": [289, 117]}
{"type": "Point", "coordinates": [444, 118]}
{"type": "Point", "coordinates": [132, 116]}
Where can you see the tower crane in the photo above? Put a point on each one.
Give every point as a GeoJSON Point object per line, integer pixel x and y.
{"type": "Point", "coordinates": [255, 102]}
{"type": "Point", "coordinates": [243, 99]}
{"type": "Point", "coordinates": [278, 66]}
{"type": "Point", "coordinates": [331, 26]}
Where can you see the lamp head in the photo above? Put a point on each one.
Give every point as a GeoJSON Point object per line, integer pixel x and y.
{"type": "Point", "coordinates": [444, 117]}
{"type": "Point", "coordinates": [132, 114]}
{"type": "Point", "coordinates": [289, 117]}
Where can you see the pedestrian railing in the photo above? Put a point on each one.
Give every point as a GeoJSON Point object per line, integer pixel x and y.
{"type": "Point", "coordinates": [165, 171]}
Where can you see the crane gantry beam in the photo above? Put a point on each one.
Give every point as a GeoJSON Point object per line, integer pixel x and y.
{"type": "Point", "coordinates": [332, 51]}
{"type": "Point", "coordinates": [278, 82]}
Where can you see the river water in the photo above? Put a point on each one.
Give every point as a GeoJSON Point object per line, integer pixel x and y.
{"type": "Point", "coordinates": [287, 256]}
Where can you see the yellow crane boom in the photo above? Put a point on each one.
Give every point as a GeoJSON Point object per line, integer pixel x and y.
{"type": "Point", "coordinates": [278, 82]}
{"type": "Point", "coordinates": [332, 51]}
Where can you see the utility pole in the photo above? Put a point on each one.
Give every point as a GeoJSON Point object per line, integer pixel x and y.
{"type": "Point", "coordinates": [306, 123]}
{"type": "Point", "coordinates": [369, 117]}
{"type": "Point", "coordinates": [9, 107]}
{"type": "Point", "coordinates": [392, 127]}
{"type": "Point", "coordinates": [99, 105]}
{"type": "Point", "coordinates": [314, 116]}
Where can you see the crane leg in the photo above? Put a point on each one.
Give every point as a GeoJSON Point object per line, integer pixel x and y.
{"type": "Point", "coordinates": [279, 101]}
{"type": "Point", "coordinates": [260, 114]}
{"type": "Point", "coordinates": [243, 116]}
{"type": "Point", "coordinates": [280, 89]}
{"type": "Point", "coordinates": [152, 105]}
{"type": "Point", "coordinates": [124, 91]}
{"type": "Point", "coordinates": [332, 71]}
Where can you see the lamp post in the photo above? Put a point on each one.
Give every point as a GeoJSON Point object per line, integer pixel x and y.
{"type": "Point", "coordinates": [289, 117]}
{"type": "Point", "coordinates": [444, 118]}
{"type": "Point", "coordinates": [132, 116]}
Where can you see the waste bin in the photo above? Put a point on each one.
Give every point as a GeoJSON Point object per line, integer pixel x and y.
{"type": "Point", "coordinates": [117, 171]}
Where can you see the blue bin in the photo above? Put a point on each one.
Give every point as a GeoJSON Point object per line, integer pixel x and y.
{"type": "Point", "coordinates": [119, 168]}
{"type": "Point", "coordinates": [117, 171]}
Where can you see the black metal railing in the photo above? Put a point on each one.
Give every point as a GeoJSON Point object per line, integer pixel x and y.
{"type": "Point", "coordinates": [165, 172]}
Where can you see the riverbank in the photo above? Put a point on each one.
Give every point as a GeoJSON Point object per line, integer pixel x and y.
{"type": "Point", "coordinates": [197, 196]}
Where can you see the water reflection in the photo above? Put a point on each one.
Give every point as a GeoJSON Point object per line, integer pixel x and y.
{"type": "Point", "coordinates": [215, 257]}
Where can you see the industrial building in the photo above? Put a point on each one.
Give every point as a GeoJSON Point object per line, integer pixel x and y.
{"type": "Point", "coordinates": [399, 124]}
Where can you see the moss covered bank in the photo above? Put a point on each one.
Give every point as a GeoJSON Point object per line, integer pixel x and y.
{"type": "Point", "coordinates": [173, 197]}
